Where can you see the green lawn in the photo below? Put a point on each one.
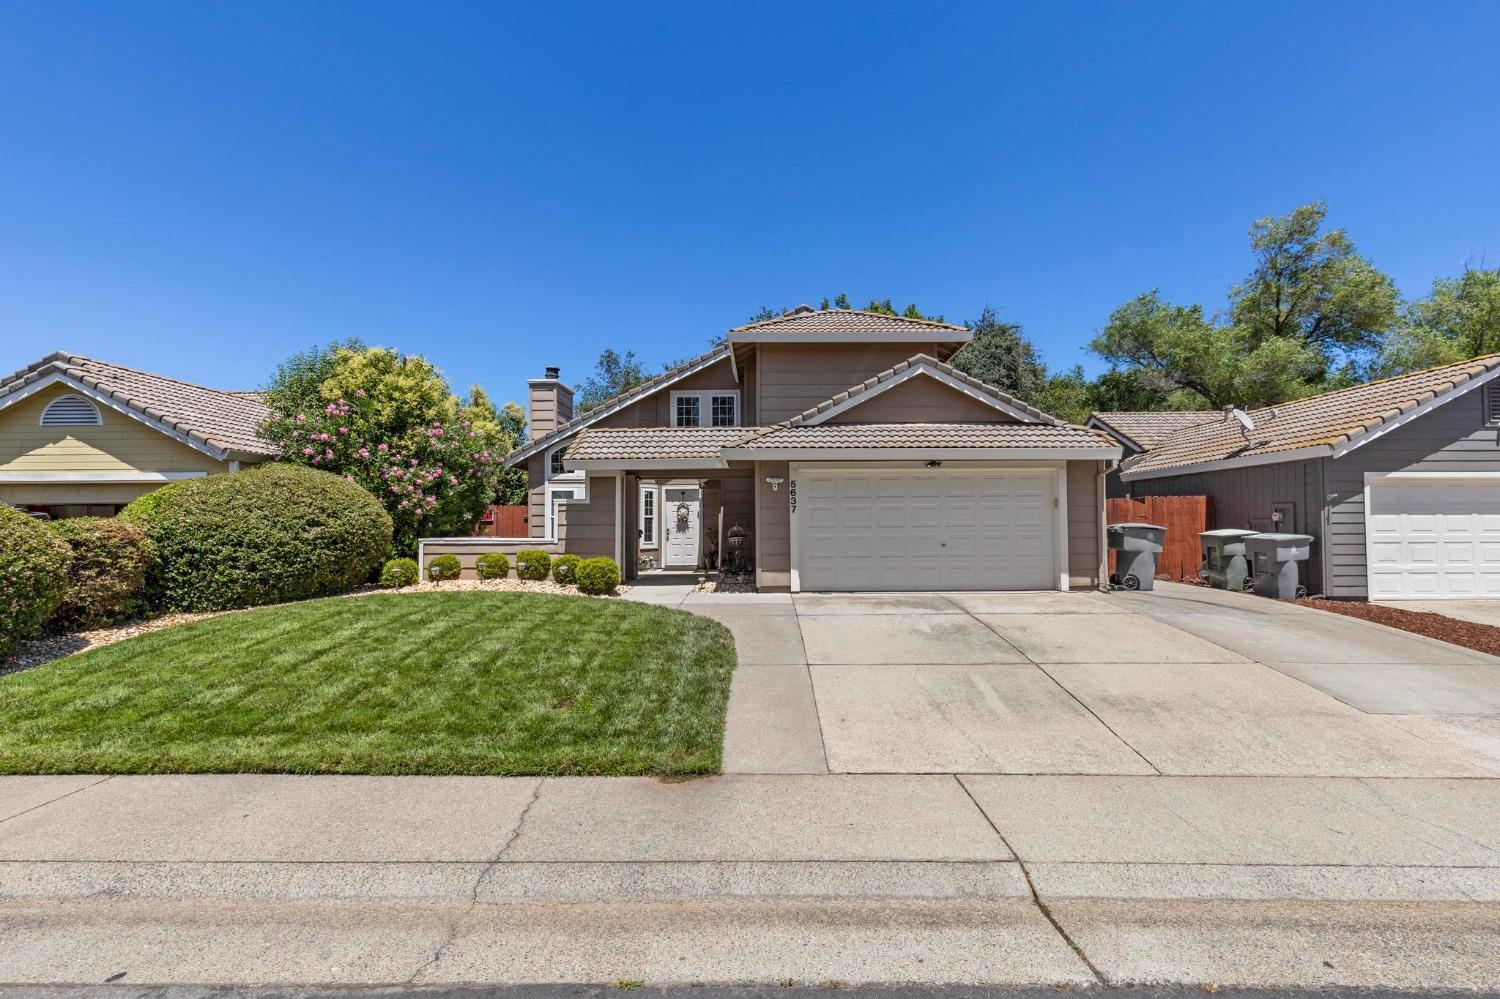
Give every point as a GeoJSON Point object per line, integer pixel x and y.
{"type": "Point", "coordinates": [422, 683]}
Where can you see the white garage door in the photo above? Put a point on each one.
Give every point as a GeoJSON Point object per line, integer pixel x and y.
{"type": "Point", "coordinates": [1433, 538]}
{"type": "Point", "coordinates": [921, 529]}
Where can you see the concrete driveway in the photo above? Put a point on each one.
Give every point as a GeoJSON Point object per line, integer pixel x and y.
{"type": "Point", "coordinates": [1183, 681]}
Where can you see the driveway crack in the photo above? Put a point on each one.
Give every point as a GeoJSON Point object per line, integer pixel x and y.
{"type": "Point", "coordinates": [1036, 898]}
{"type": "Point", "coordinates": [484, 875]}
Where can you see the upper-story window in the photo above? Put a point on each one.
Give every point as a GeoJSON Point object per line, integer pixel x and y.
{"type": "Point", "coordinates": [555, 467]}
{"type": "Point", "coordinates": [71, 411]}
{"type": "Point", "coordinates": [706, 408]}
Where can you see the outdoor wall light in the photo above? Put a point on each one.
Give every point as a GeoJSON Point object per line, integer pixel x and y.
{"type": "Point", "coordinates": [774, 481]}
{"type": "Point", "coordinates": [934, 464]}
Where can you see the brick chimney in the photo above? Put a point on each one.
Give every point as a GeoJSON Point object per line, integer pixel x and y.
{"type": "Point", "coordinates": [551, 403]}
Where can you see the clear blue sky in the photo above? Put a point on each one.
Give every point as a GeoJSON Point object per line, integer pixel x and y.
{"type": "Point", "coordinates": [200, 189]}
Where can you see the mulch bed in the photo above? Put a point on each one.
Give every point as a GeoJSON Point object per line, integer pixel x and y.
{"type": "Point", "coordinates": [1479, 637]}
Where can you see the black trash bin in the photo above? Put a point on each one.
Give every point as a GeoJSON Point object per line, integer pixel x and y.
{"type": "Point", "coordinates": [1137, 546]}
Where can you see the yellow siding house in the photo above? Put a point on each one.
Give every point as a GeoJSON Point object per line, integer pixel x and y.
{"type": "Point", "coordinates": [81, 437]}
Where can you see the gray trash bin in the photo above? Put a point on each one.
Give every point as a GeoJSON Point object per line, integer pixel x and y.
{"type": "Point", "coordinates": [1224, 564]}
{"type": "Point", "coordinates": [1273, 560]}
{"type": "Point", "coordinates": [1137, 546]}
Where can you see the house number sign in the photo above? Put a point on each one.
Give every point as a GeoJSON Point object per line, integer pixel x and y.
{"type": "Point", "coordinates": [791, 494]}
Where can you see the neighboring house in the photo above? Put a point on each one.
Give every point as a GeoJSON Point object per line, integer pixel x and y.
{"type": "Point", "coordinates": [80, 437]}
{"type": "Point", "coordinates": [1397, 481]}
{"type": "Point", "coordinates": [854, 456]}
{"type": "Point", "coordinates": [1137, 432]}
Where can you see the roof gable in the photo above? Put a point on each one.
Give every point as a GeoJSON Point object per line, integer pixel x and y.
{"type": "Point", "coordinates": [718, 355]}
{"type": "Point", "coordinates": [1327, 425]}
{"type": "Point", "coordinates": [215, 422]}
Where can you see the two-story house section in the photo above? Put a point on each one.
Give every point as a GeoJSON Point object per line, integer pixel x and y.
{"type": "Point", "coordinates": [838, 447]}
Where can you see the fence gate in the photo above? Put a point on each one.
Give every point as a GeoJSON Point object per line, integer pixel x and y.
{"type": "Point", "coordinates": [1184, 517]}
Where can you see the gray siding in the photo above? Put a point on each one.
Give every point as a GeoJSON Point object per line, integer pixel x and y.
{"type": "Point", "coordinates": [1085, 516]}
{"type": "Point", "coordinates": [1451, 438]}
{"type": "Point", "coordinates": [1246, 497]}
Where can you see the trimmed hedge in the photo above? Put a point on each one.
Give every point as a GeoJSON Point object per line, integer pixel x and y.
{"type": "Point", "coordinates": [444, 568]}
{"type": "Point", "coordinates": [565, 569]}
{"type": "Point", "coordinates": [106, 572]}
{"type": "Point", "coordinates": [598, 576]}
{"type": "Point", "coordinates": [263, 536]}
{"type": "Point", "coordinates": [492, 565]}
{"type": "Point", "coordinates": [533, 563]}
{"type": "Point", "coordinates": [33, 576]}
{"type": "Point", "coordinates": [399, 572]}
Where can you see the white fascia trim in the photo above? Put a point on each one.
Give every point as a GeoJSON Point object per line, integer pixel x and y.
{"type": "Point", "coordinates": [1417, 411]}
{"type": "Point", "coordinates": [1376, 476]}
{"type": "Point", "coordinates": [524, 452]}
{"type": "Point", "coordinates": [1223, 464]}
{"type": "Point", "coordinates": [919, 454]}
{"type": "Point", "coordinates": [46, 478]}
{"type": "Point", "coordinates": [486, 540]}
{"type": "Point", "coordinates": [218, 454]}
{"type": "Point", "coordinates": [650, 464]}
{"type": "Point", "coordinates": [936, 336]}
{"type": "Point", "coordinates": [858, 398]}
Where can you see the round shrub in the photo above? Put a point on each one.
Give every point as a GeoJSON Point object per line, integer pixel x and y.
{"type": "Point", "coordinates": [106, 572]}
{"type": "Point", "coordinates": [33, 576]}
{"type": "Point", "coordinates": [492, 565]}
{"type": "Point", "coordinates": [267, 535]}
{"type": "Point", "coordinates": [399, 572]}
{"type": "Point", "coordinates": [598, 576]}
{"type": "Point", "coordinates": [443, 568]}
{"type": "Point", "coordinates": [565, 569]}
{"type": "Point", "coordinates": [532, 563]}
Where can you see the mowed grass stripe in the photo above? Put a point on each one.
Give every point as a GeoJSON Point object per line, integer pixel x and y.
{"type": "Point", "coordinates": [435, 683]}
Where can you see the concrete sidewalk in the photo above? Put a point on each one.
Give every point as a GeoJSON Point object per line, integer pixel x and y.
{"type": "Point", "coordinates": [860, 878]}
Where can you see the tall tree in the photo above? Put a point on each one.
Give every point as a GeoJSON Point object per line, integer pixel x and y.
{"type": "Point", "coordinates": [297, 384]}
{"type": "Point", "coordinates": [1457, 320]}
{"type": "Point", "coordinates": [999, 354]}
{"type": "Point", "coordinates": [614, 373]}
{"type": "Point", "coordinates": [1305, 320]}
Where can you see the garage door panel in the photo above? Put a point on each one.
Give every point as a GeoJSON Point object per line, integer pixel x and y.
{"type": "Point", "coordinates": [925, 529]}
{"type": "Point", "coordinates": [1434, 538]}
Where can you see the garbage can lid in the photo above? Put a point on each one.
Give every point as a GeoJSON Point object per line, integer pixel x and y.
{"type": "Point", "coordinates": [1149, 527]}
{"type": "Point", "coordinates": [1227, 532]}
{"type": "Point", "coordinates": [1296, 538]}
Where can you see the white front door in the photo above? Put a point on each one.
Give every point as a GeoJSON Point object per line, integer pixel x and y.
{"type": "Point", "coordinates": [679, 516]}
{"type": "Point", "coordinates": [1431, 538]}
{"type": "Point", "coordinates": [927, 529]}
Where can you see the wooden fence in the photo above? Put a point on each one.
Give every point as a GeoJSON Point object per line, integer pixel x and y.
{"type": "Point", "coordinates": [1184, 517]}
{"type": "Point", "coordinates": [503, 522]}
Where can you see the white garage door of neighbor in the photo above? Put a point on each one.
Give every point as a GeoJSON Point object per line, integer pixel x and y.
{"type": "Point", "coordinates": [926, 529]}
{"type": "Point", "coordinates": [1433, 538]}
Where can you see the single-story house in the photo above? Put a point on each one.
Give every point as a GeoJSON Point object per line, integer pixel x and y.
{"type": "Point", "coordinates": [82, 437]}
{"type": "Point", "coordinates": [1397, 481]}
{"type": "Point", "coordinates": [831, 449]}
{"type": "Point", "coordinates": [1140, 431]}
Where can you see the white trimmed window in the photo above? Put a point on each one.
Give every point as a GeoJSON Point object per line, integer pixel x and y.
{"type": "Point", "coordinates": [71, 411]}
{"type": "Point", "coordinates": [706, 408]}
{"type": "Point", "coordinates": [1491, 405]}
{"type": "Point", "coordinates": [648, 516]}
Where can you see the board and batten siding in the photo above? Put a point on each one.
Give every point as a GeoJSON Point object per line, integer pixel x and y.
{"type": "Point", "coordinates": [1247, 497]}
{"type": "Point", "coordinates": [1453, 437]}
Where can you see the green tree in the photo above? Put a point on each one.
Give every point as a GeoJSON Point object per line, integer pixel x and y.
{"type": "Point", "coordinates": [1305, 320]}
{"type": "Point", "coordinates": [1067, 395]}
{"type": "Point", "coordinates": [614, 373]}
{"type": "Point", "coordinates": [392, 424]}
{"type": "Point", "coordinates": [297, 384]}
{"type": "Point", "coordinates": [999, 354]}
{"type": "Point", "coordinates": [1457, 320]}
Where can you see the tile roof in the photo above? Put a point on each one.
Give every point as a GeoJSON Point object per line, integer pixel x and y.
{"type": "Point", "coordinates": [226, 421]}
{"type": "Point", "coordinates": [927, 436]}
{"type": "Point", "coordinates": [653, 443]}
{"type": "Point", "coordinates": [1329, 420]}
{"type": "Point", "coordinates": [614, 405]}
{"type": "Point", "coordinates": [1149, 429]}
{"type": "Point", "coordinates": [812, 322]}
{"type": "Point", "coordinates": [931, 363]}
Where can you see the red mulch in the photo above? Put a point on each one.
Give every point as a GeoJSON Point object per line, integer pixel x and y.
{"type": "Point", "coordinates": [1479, 637]}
